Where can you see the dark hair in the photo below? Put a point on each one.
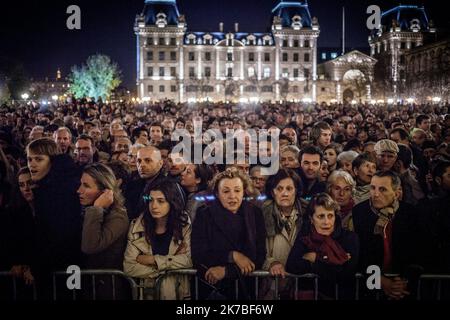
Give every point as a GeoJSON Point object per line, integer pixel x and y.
{"type": "Point", "coordinates": [311, 150]}
{"type": "Point", "coordinates": [177, 217]}
{"type": "Point", "coordinates": [120, 170]}
{"type": "Point", "coordinates": [283, 173]}
{"type": "Point", "coordinates": [205, 174]}
{"type": "Point", "coordinates": [166, 145]}
{"type": "Point", "coordinates": [180, 120]}
{"type": "Point", "coordinates": [323, 200]}
{"type": "Point", "coordinates": [420, 118]}
{"type": "Point", "coordinates": [137, 132]}
{"type": "Point", "coordinates": [85, 137]}
{"type": "Point", "coordinates": [352, 143]}
{"type": "Point", "coordinates": [363, 157]}
{"type": "Point", "coordinates": [404, 155]}
{"type": "Point", "coordinates": [316, 130]}
{"type": "Point", "coordinates": [402, 133]}
{"type": "Point", "coordinates": [157, 124]}
{"type": "Point", "coordinates": [440, 168]}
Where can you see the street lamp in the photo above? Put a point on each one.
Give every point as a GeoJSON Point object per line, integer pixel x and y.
{"type": "Point", "coordinates": [25, 96]}
{"type": "Point", "coordinates": [55, 97]}
{"type": "Point", "coordinates": [436, 99]}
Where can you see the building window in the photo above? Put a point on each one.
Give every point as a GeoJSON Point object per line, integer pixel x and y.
{"type": "Point", "coordinates": [267, 89]}
{"type": "Point", "coordinates": [306, 89]}
{"type": "Point", "coordinates": [266, 72]}
{"type": "Point", "coordinates": [161, 72]}
{"type": "Point", "coordinates": [285, 57]}
{"type": "Point", "coordinates": [191, 72]}
{"type": "Point", "coordinates": [161, 41]}
{"type": "Point", "coordinates": [295, 57]}
{"type": "Point", "coordinates": [149, 55]}
{"type": "Point", "coordinates": [208, 56]}
{"type": "Point", "coordinates": [173, 41]}
{"type": "Point", "coordinates": [333, 55]}
{"type": "Point", "coordinates": [173, 56]}
{"type": "Point", "coordinates": [306, 57]}
{"type": "Point", "coordinates": [191, 56]}
{"type": "Point", "coordinates": [162, 56]}
{"type": "Point", "coordinates": [285, 43]}
{"type": "Point", "coordinates": [251, 56]}
{"type": "Point", "coordinates": [285, 73]}
{"type": "Point", "coordinates": [162, 88]}
{"type": "Point", "coordinates": [323, 89]}
{"type": "Point", "coordinates": [173, 88]}
{"type": "Point", "coordinates": [295, 89]}
{"type": "Point", "coordinates": [402, 45]}
{"type": "Point", "coordinates": [266, 57]}
{"type": "Point", "coordinates": [296, 43]}
{"type": "Point", "coordinates": [402, 59]}
{"type": "Point", "coordinates": [267, 42]}
{"type": "Point", "coordinates": [150, 71]}
{"type": "Point", "coordinates": [207, 72]}
{"type": "Point", "coordinates": [296, 73]}
{"type": "Point", "coordinates": [229, 72]}
{"type": "Point", "coordinates": [229, 56]}
{"type": "Point", "coordinates": [251, 72]}
{"type": "Point", "coordinates": [324, 56]}
{"type": "Point", "coordinates": [306, 44]}
{"type": "Point", "coordinates": [149, 41]}
{"type": "Point", "coordinates": [173, 71]}
{"type": "Point", "coordinates": [150, 89]}
{"type": "Point", "coordinates": [306, 73]}
{"type": "Point", "coordinates": [250, 89]}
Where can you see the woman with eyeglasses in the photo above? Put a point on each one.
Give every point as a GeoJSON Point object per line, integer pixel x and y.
{"type": "Point", "coordinates": [159, 241]}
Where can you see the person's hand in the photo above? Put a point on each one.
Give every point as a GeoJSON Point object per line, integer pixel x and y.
{"type": "Point", "coordinates": [28, 276]}
{"type": "Point", "coordinates": [310, 256]}
{"type": "Point", "coordinates": [245, 264]}
{"type": "Point", "coordinates": [215, 274]}
{"type": "Point", "coordinates": [277, 269]}
{"type": "Point", "coordinates": [17, 271]}
{"type": "Point", "coordinates": [105, 200]}
{"type": "Point", "coordinates": [394, 288]}
{"type": "Point", "coordinates": [146, 259]}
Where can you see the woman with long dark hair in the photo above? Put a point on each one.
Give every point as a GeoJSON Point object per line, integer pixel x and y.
{"type": "Point", "coordinates": [158, 241]}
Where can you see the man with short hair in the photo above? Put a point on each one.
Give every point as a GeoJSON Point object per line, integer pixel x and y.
{"type": "Point", "coordinates": [121, 145]}
{"type": "Point", "coordinates": [63, 139]}
{"type": "Point", "coordinates": [387, 231]}
{"type": "Point", "coordinates": [310, 160]}
{"type": "Point", "coordinates": [386, 151]}
{"type": "Point", "coordinates": [156, 134]}
{"type": "Point", "coordinates": [84, 150]}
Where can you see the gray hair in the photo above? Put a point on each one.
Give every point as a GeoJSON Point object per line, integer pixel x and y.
{"type": "Point", "coordinates": [340, 174]}
{"type": "Point", "coordinates": [347, 156]}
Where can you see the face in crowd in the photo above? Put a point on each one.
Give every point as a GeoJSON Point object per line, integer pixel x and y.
{"type": "Point", "coordinates": [39, 165]}
{"type": "Point", "coordinates": [25, 185]}
{"type": "Point", "coordinates": [88, 191]}
{"type": "Point", "coordinates": [84, 152]}
{"type": "Point", "coordinates": [231, 193]}
{"type": "Point", "coordinates": [323, 220]}
{"type": "Point", "coordinates": [311, 165]}
{"type": "Point", "coordinates": [284, 193]}
{"type": "Point", "coordinates": [149, 162]}
{"type": "Point", "coordinates": [365, 172]}
{"type": "Point", "coordinates": [158, 205]}
{"type": "Point", "coordinates": [386, 160]}
{"type": "Point", "coordinates": [289, 159]}
{"type": "Point", "coordinates": [382, 193]}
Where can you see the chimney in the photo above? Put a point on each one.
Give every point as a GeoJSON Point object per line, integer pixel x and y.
{"type": "Point", "coordinates": [221, 27]}
{"type": "Point", "coordinates": [236, 27]}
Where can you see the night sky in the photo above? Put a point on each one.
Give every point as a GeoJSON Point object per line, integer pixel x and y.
{"type": "Point", "coordinates": [35, 33]}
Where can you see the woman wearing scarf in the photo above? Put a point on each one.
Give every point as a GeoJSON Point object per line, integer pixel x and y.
{"type": "Point", "coordinates": [323, 247]}
{"type": "Point", "coordinates": [340, 187]}
{"type": "Point", "coordinates": [228, 239]}
{"type": "Point", "coordinates": [283, 218]}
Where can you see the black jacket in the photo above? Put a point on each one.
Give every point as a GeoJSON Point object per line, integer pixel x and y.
{"type": "Point", "coordinates": [211, 245]}
{"type": "Point", "coordinates": [329, 274]}
{"type": "Point", "coordinates": [58, 216]}
{"type": "Point", "coordinates": [404, 237]}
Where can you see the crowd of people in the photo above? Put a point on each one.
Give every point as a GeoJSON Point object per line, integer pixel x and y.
{"type": "Point", "coordinates": [104, 186]}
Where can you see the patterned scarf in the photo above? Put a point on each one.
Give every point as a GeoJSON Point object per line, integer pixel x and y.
{"type": "Point", "coordinates": [328, 250]}
{"type": "Point", "coordinates": [385, 215]}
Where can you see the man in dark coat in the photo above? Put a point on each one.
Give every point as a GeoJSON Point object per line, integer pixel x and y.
{"type": "Point", "coordinates": [213, 243]}
{"type": "Point", "coordinates": [387, 230]}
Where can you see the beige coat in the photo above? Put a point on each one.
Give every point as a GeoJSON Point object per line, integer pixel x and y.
{"type": "Point", "coordinates": [137, 245]}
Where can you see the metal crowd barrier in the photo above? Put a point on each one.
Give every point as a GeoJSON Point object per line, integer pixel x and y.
{"type": "Point", "coordinates": [436, 280]}
{"type": "Point", "coordinates": [14, 283]}
{"type": "Point", "coordinates": [93, 274]}
{"type": "Point", "coordinates": [256, 274]}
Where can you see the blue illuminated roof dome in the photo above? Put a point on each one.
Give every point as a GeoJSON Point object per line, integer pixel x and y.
{"type": "Point", "coordinates": [405, 15]}
{"type": "Point", "coordinates": [286, 10]}
{"type": "Point", "coordinates": [153, 7]}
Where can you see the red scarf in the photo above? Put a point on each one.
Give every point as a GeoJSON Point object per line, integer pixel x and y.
{"type": "Point", "coordinates": [327, 249]}
{"type": "Point", "coordinates": [346, 210]}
